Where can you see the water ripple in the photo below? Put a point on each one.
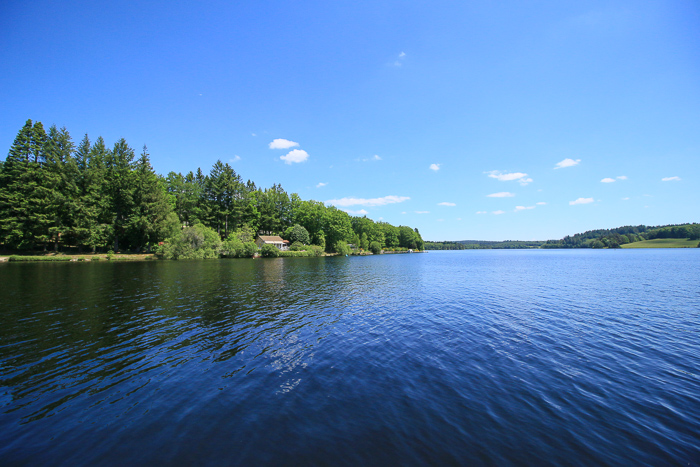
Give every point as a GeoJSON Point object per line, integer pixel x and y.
{"type": "Point", "coordinates": [484, 357]}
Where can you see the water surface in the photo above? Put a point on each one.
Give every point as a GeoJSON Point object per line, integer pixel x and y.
{"type": "Point", "coordinates": [508, 357]}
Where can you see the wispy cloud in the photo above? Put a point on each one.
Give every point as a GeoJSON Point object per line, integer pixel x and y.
{"type": "Point", "coordinates": [498, 213]}
{"type": "Point", "coordinates": [482, 212]}
{"type": "Point", "coordinates": [435, 167]}
{"type": "Point", "coordinates": [399, 60]}
{"type": "Point", "coordinates": [321, 184]}
{"type": "Point", "coordinates": [295, 156]}
{"type": "Point", "coordinates": [373, 158]}
{"type": "Point", "coordinates": [235, 159]}
{"type": "Point", "coordinates": [671, 179]}
{"type": "Point", "coordinates": [445, 203]}
{"type": "Point", "coordinates": [422, 212]}
{"type": "Point", "coordinates": [523, 208]}
{"type": "Point", "coordinates": [581, 201]}
{"type": "Point", "coordinates": [501, 194]}
{"type": "Point", "coordinates": [625, 199]}
{"type": "Point", "coordinates": [611, 180]}
{"type": "Point", "coordinates": [567, 163]}
{"type": "Point", "coordinates": [368, 202]}
{"type": "Point", "coordinates": [520, 177]}
{"type": "Point", "coordinates": [541, 203]}
{"type": "Point", "coordinates": [281, 143]}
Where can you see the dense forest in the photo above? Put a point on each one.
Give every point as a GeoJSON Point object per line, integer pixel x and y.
{"type": "Point", "coordinates": [56, 195]}
{"type": "Point", "coordinates": [600, 238]}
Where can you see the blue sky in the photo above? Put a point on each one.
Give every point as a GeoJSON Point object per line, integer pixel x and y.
{"type": "Point", "coordinates": [468, 120]}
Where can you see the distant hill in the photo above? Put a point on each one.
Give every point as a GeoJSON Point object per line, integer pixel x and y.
{"type": "Point", "coordinates": [600, 238]}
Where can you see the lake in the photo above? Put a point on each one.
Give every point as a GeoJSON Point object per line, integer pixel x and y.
{"type": "Point", "coordinates": [502, 357]}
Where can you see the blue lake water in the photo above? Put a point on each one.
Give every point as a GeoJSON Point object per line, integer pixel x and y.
{"type": "Point", "coordinates": [505, 357]}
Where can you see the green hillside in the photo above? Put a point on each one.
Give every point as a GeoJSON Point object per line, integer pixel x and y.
{"type": "Point", "coordinates": [664, 243]}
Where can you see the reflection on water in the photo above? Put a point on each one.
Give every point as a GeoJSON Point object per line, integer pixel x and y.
{"type": "Point", "coordinates": [448, 357]}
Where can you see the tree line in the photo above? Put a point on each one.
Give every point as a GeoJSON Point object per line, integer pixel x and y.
{"type": "Point", "coordinates": [55, 194]}
{"type": "Point", "coordinates": [615, 238]}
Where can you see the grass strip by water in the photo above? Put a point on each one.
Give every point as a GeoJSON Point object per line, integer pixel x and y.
{"type": "Point", "coordinates": [39, 258]}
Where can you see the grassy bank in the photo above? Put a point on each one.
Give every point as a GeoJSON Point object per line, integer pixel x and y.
{"type": "Point", "coordinates": [79, 258]}
{"type": "Point", "coordinates": [664, 243]}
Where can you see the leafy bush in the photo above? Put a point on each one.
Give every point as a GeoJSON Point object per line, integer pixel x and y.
{"type": "Point", "coordinates": [269, 251]}
{"type": "Point", "coordinates": [110, 254]}
{"type": "Point", "coordinates": [232, 247]}
{"type": "Point", "coordinates": [248, 251]}
{"type": "Point", "coordinates": [341, 248]}
{"type": "Point", "coordinates": [196, 242]}
{"type": "Point", "coordinates": [297, 246]}
{"type": "Point", "coordinates": [315, 250]}
{"type": "Point", "coordinates": [375, 247]}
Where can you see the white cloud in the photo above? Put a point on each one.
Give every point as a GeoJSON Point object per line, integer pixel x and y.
{"type": "Point", "coordinates": [445, 203]}
{"type": "Point", "coordinates": [295, 156]}
{"type": "Point", "coordinates": [625, 199]}
{"type": "Point", "coordinates": [567, 163]}
{"type": "Point", "coordinates": [523, 208]}
{"type": "Point", "coordinates": [506, 177]}
{"type": "Point", "coordinates": [524, 181]}
{"type": "Point", "coordinates": [253, 134]}
{"type": "Point", "coordinates": [361, 212]}
{"type": "Point", "coordinates": [399, 61]}
{"type": "Point", "coordinates": [235, 159]}
{"type": "Point", "coordinates": [435, 167]}
{"type": "Point", "coordinates": [607, 180]}
{"type": "Point", "coordinates": [368, 202]}
{"type": "Point", "coordinates": [671, 179]}
{"type": "Point", "coordinates": [321, 184]}
{"type": "Point", "coordinates": [481, 212]}
{"type": "Point", "coordinates": [402, 54]}
{"type": "Point", "coordinates": [422, 212]}
{"type": "Point", "coordinates": [541, 203]}
{"type": "Point", "coordinates": [622, 177]}
{"type": "Point", "coordinates": [502, 194]}
{"type": "Point", "coordinates": [581, 201]}
{"type": "Point", "coordinates": [499, 212]}
{"type": "Point", "coordinates": [280, 143]}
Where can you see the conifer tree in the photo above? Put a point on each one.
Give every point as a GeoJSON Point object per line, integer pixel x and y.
{"type": "Point", "coordinates": [120, 187]}
{"type": "Point", "coordinates": [152, 217]}
{"type": "Point", "coordinates": [59, 183]}
{"type": "Point", "coordinates": [23, 204]}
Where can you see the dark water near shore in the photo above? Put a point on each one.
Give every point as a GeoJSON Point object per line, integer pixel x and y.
{"type": "Point", "coordinates": [467, 358]}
